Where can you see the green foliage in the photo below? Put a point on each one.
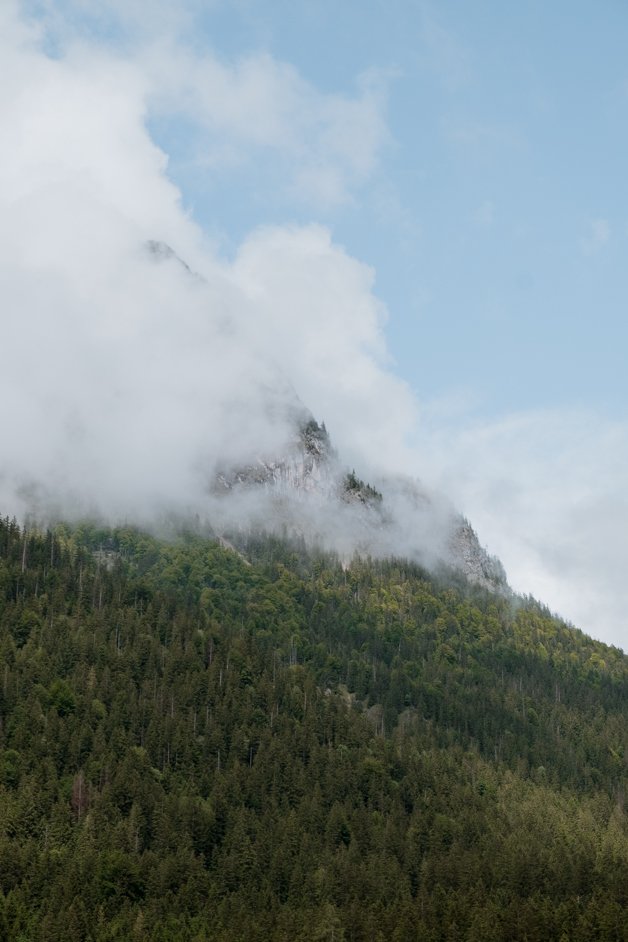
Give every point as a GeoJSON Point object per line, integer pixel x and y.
{"type": "Point", "coordinates": [355, 487]}
{"type": "Point", "coordinates": [202, 745]}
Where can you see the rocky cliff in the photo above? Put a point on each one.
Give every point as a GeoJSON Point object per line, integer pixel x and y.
{"type": "Point", "coordinates": [312, 495]}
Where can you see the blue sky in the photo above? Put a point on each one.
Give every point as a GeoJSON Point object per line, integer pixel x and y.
{"type": "Point", "coordinates": [496, 216]}
{"type": "Point", "coordinates": [495, 211]}
{"type": "Point", "coordinates": [464, 164]}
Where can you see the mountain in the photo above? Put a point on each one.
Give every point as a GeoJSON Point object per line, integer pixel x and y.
{"type": "Point", "coordinates": [304, 490]}
{"type": "Point", "coordinates": [311, 709]}
{"type": "Point", "coordinates": [278, 470]}
{"type": "Point", "coordinates": [265, 741]}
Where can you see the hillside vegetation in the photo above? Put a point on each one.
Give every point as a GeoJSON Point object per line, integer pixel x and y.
{"type": "Point", "coordinates": [204, 744]}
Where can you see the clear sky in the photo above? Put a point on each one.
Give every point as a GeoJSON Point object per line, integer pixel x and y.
{"type": "Point", "coordinates": [474, 157]}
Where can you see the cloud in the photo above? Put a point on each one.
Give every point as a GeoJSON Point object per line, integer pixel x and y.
{"type": "Point", "coordinates": [546, 491]}
{"type": "Point", "coordinates": [443, 53]}
{"type": "Point", "coordinates": [328, 145]}
{"type": "Point", "coordinates": [128, 376]}
{"type": "Point", "coordinates": [314, 306]}
{"type": "Point", "coordinates": [484, 215]}
{"type": "Point", "coordinates": [127, 22]}
{"type": "Point", "coordinates": [252, 112]}
{"type": "Point", "coordinates": [482, 141]}
{"type": "Point", "coordinates": [598, 235]}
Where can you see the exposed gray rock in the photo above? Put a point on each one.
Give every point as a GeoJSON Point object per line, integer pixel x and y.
{"type": "Point", "coordinates": [476, 563]}
{"type": "Point", "coordinates": [161, 251]}
{"type": "Point", "coordinates": [308, 465]}
{"type": "Point", "coordinates": [311, 494]}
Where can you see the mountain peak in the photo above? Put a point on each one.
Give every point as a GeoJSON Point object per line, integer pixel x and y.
{"type": "Point", "coordinates": [305, 490]}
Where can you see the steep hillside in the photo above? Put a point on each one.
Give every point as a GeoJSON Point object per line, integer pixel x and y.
{"type": "Point", "coordinates": [200, 743]}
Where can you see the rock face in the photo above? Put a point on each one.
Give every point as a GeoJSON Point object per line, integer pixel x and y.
{"type": "Point", "coordinates": [161, 251]}
{"type": "Point", "coordinates": [308, 465]}
{"type": "Point", "coordinates": [474, 560]}
{"type": "Point", "coordinates": [308, 492]}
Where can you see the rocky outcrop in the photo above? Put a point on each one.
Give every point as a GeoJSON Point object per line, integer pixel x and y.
{"type": "Point", "coordinates": [476, 563]}
{"type": "Point", "coordinates": [308, 464]}
{"type": "Point", "coordinates": [311, 494]}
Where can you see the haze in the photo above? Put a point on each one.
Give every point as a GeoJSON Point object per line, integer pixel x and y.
{"type": "Point", "coordinates": [127, 375]}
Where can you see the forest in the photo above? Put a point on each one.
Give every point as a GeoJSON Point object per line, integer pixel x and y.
{"type": "Point", "coordinates": [255, 740]}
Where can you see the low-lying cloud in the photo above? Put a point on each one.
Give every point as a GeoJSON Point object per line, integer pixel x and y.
{"type": "Point", "coordinates": [129, 373]}
{"type": "Point", "coordinates": [546, 491]}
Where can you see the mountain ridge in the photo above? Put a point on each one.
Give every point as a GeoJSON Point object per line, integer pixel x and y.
{"type": "Point", "coordinates": [310, 468]}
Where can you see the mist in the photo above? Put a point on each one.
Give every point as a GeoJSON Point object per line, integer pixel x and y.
{"type": "Point", "coordinates": [141, 353]}
{"type": "Point", "coordinates": [137, 357]}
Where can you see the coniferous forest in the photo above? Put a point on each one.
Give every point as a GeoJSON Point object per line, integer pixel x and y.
{"type": "Point", "coordinates": [204, 743]}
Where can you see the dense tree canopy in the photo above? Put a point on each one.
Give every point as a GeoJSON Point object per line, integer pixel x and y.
{"type": "Point", "coordinates": [204, 743]}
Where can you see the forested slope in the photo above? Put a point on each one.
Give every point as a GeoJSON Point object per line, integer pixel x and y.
{"type": "Point", "coordinates": [199, 744]}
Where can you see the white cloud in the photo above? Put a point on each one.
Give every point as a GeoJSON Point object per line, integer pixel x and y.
{"type": "Point", "coordinates": [481, 140]}
{"type": "Point", "coordinates": [328, 145]}
{"type": "Point", "coordinates": [126, 21]}
{"type": "Point", "coordinates": [319, 148]}
{"type": "Point", "coordinates": [484, 215]}
{"type": "Point", "coordinates": [124, 379]}
{"type": "Point", "coordinates": [314, 307]}
{"type": "Point", "coordinates": [546, 491]}
{"type": "Point", "coordinates": [598, 235]}
{"type": "Point", "coordinates": [443, 53]}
